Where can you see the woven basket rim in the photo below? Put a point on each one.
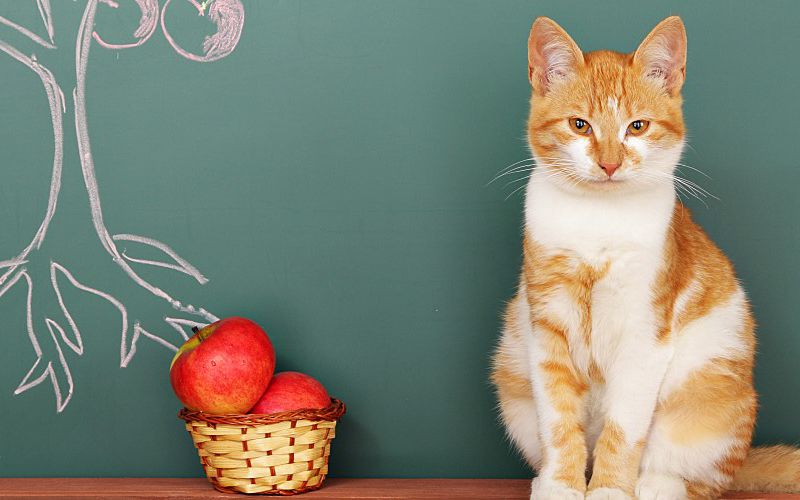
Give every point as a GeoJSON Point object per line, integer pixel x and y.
{"type": "Point", "coordinates": [332, 412]}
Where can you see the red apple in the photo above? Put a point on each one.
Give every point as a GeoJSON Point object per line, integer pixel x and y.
{"type": "Point", "coordinates": [224, 368]}
{"type": "Point", "coordinates": [292, 391]}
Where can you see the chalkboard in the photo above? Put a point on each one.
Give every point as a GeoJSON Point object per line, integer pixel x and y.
{"type": "Point", "coordinates": [323, 168]}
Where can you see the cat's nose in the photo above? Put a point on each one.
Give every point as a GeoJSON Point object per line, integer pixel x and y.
{"type": "Point", "coordinates": [609, 168]}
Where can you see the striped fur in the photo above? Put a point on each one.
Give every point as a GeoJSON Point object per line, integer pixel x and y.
{"type": "Point", "coordinates": [625, 365]}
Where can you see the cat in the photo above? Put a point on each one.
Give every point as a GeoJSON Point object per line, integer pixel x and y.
{"type": "Point", "coordinates": [626, 357]}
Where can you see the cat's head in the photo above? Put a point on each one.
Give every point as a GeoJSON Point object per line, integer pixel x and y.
{"type": "Point", "coordinates": [605, 121]}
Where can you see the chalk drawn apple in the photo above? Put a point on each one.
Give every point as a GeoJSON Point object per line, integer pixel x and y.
{"type": "Point", "coordinates": [15, 270]}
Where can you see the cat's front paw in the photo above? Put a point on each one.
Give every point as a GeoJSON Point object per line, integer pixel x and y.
{"type": "Point", "coordinates": [660, 487]}
{"type": "Point", "coordinates": [548, 489]}
{"type": "Point", "coordinates": [607, 494]}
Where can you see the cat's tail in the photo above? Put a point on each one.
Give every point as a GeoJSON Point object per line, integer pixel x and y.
{"type": "Point", "coordinates": [769, 469]}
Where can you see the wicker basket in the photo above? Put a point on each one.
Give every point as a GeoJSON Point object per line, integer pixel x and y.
{"type": "Point", "coordinates": [277, 454]}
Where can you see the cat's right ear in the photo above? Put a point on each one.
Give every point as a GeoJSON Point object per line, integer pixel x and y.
{"type": "Point", "coordinates": [552, 55]}
{"type": "Point", "coordinates": [663, 54]}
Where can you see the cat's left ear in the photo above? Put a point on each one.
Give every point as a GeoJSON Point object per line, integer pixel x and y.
{"type": "Point", "coordinates": [662, 55]}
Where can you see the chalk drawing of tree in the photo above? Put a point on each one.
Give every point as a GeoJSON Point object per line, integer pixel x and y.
{"type": "Point", "coordinates": [64, 332]}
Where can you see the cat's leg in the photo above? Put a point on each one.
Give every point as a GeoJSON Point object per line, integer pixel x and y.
{"type": "Point", "coordinates": [701, 434]}
{"type": "Point", "coordinates": [541, 401]}
{"type": "Point", "coordinates": [654, 486]}
{"type": "Point", "coordinates": [702, 427]}
{"type": "Point", "coordinates": [633, 378]}
{"type": "Point", "coordinates": [559, 398]}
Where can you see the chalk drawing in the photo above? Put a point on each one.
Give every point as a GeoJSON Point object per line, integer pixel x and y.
{"type": "Point", "coordinates": [51, 364]}
{"type": "Point", "coordinates": [47, 19]}
{"type": "Point", "coordinates": [228, 15]}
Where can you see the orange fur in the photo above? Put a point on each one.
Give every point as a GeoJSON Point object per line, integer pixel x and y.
{"type": "Point", "coordinates": [605, 75]}
{"type": "Point", "coordinates": [565, 387]}
{"type": "Point", "coordinates": [694, 279]}
{"type": "Point", "coordinates": [770, 468]}
{"type": "Point", "coordinates": [616, 465]}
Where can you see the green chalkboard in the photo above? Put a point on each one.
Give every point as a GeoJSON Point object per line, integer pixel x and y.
{"type": "Point", "coordinates": [321, 167]}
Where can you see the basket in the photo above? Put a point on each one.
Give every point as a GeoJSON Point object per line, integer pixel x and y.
{"type": "Point", "coordinates": [277, 454]}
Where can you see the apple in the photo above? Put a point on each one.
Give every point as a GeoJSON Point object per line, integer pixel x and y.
{"type": "Point", "coordinates": [292, 391]}
{"type": "Point", "coordinates": [224, 368]}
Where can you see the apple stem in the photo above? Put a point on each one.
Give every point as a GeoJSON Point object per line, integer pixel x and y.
{"type": "Point", "coordinates": [196, 330]}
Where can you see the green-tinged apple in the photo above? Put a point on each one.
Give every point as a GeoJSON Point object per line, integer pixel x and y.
{"type": "Point", "coordinates": [292, 391]}
{"type": "Point", "coordinates": [224, 368]}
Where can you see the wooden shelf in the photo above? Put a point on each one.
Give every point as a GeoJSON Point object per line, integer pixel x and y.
{"type": "Point", "coordinates": [340, 488]}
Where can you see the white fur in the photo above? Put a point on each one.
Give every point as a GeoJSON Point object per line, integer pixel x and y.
{"type": "Point", "coordinates": [520, 416]}
{"type": "Point", "coordinates": [697, 461]}
{"type": "Point", "coordinates": [715, 335]}
{"type": "Point", "coordinates": [597, 226]}
{"type": "Point", "coordinates": [607, 494]}
{"type": "Point", "coordinates": [596, 229]}
{"type": "Point", "coordinates": [546, 489]}
{"type": "Point", "coordinates": [577, 152]}
{"type": "Point", "coordinates": [558, 56]}
{"type": "Point", "coordinates": [613, 105]}
{"type": "Point", "coordinates": [559, 59]}
{"type": "Point", "coordinates": [522, 427]}
{"type": "Point", "coordinates": [660, 487]}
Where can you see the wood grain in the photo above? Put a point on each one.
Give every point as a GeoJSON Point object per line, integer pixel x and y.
{"type": "Point", "coordinates": [341, 488]}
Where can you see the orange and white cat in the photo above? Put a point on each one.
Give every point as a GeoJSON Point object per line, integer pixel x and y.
{"type": "Point", "coordinates": [627, 353]}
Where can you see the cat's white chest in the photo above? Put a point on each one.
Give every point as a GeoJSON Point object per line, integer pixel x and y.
{"type": "Point", "coordinates": [621, 237]}
{"type": "Point", "coordinates": [621, 301]}
{"type": "Point", "coordinates": [602, 226]}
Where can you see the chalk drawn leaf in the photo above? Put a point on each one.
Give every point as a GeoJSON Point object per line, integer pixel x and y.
{"type": "Point", "coordinates": [147, 25]}
{"type": "Point", "coordinates": [47, 370]}
{"type": "Point", "coordinates": [171, 259]}
{"type": "Point", "coordinates": [138, 331]}
{"type": "Point", "coordinates": [47, 19]}
{"type": "Point", "coordinates": [42, 369]}
{"type": "Point", "coordinates": [59, 275]}
{"type": "Point", "coordinates": [227, 15]}
{"type": "Point", "coordinates": [11, 266]}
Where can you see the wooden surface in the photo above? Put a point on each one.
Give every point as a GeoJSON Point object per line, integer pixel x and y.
{"type": "Point", "coordinates": [150, 488]}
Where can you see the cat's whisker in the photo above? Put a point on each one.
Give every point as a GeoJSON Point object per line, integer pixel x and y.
{"type": "Point", "coordinates": [695, 169]}
{"type": "Point", "coordinates": [699, 188]}
{"type": "Point", "coordinates": [535, 175]}
{"type": "Point", "coordinates": [514, 191]}
{"type": "Point", "coordinates": [690, 192]}
{"type": "Point", "coordinates": [516, 163]}
{"type": "Point", "coordinates": [688, 187]}
{"type": "Point", "coordinates": [529, 166]}
{"type": "Point", "coordinates": [523, 178]}
{"type": "Point", "coordinates": [695, 187]}
{"type": "Point", "coordinates": [682, 187]}
{"type": "Point", "coordinates": [689, 145]}
{"type": "Point", "coordinates": [568, 176]}
{"type": "Point", "coordinates": [511, 166]}
{"type": "Point", "coordinates": [539, 176]}
{"type": "Point", "coordinates": [518, 168]}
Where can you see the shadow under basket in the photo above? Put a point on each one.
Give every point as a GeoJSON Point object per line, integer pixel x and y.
{"type": "Point", "coordinates": [276, 454]}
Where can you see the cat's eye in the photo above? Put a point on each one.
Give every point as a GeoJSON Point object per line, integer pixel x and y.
{"type": "Point", "coordinates": [580, 126]}
{"type": "Point", "coordinates": [638, 127]}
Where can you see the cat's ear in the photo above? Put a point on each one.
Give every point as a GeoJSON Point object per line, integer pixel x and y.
{"type": "Point", "coordinates": [662, 55]}
{"type": "Point", "coordinates": [552, 55]}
